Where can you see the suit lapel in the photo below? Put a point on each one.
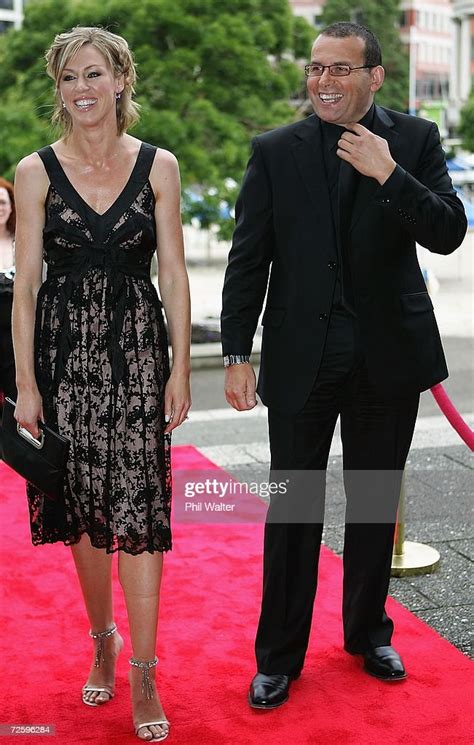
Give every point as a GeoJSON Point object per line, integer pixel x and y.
{"type": "Point", "coordinates": [308, 154]}
{"type": "Point", "coordinates": [383, 126]}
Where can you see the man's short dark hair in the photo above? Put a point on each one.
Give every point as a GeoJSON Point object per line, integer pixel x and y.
{"type": "Point", "coordinates": [341, 29]}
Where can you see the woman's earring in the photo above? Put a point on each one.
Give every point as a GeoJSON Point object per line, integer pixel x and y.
{"type": "Point", "coordinates": [117, 96]}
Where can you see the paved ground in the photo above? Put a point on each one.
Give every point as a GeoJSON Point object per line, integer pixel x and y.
{"type": "Point", "coordinates": [439, 469]}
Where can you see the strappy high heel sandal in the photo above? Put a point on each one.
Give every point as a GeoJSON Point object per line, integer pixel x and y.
{"type": "Point", "coordinates": [147, 691]}
{"type": "Point", "coordinates": [99, 656]}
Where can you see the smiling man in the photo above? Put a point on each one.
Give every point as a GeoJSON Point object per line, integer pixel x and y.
{"type": "Point", "coordinates": [333, 206]}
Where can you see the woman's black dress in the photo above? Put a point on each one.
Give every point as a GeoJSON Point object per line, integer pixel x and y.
{"type": "Point", "coordinates": [101, 367]}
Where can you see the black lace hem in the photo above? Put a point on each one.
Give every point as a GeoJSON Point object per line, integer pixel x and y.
{"type": "Point", "coordinates": [166, 544]}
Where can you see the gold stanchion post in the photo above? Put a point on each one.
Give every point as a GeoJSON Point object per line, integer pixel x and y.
{"type": "Point", "coordinates": [410, 558]}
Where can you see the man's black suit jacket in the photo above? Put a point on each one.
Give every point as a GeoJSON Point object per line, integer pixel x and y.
{"type": "Point", "coordinates": [284, 228]}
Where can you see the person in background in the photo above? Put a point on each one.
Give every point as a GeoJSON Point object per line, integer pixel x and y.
{"type": "Point", "coordinates": [7, 275]}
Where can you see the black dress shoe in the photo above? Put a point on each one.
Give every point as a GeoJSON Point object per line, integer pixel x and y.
{"type": "Point", "coordinates": [269, 691]}
{"type": "Point", "coordinates": [384, 663]}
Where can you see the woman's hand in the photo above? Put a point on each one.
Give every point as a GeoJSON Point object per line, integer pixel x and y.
{"type": "Point", "coordinates": [29, 408]}
{"type": "Point", "coordinates": [177, 400]}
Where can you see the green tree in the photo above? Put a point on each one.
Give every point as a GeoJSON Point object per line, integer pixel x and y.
{"type": "Point", "coordinates": [466, 126]}
{"type": "Point", "coordinates": [382, 18]}
{"type": "Point", "coordinates": [22, 131]}
{"type": "Point", "coordinates": [303, 35]}
{"type": "Point", "coordinates": [210, 75]}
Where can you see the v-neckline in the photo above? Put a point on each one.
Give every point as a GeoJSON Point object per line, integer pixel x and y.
{"type": "Point", "coordinates": [100, 215]}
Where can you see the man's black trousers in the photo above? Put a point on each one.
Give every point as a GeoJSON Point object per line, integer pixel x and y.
{"type": "Point", "coordinates": [376, 436]}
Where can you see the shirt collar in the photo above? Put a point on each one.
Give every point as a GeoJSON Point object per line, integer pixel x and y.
{"type": "Point", "coordinates": [332, 132]}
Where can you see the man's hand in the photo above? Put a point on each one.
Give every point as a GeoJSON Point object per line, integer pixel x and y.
{"type": "Point", "coordinates": [366, 152]}
{"type": "Point", "coordinates": [240, 386]}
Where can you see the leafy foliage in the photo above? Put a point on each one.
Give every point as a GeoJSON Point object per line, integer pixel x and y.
{"type": "Point", "coordinates": [211, 76]}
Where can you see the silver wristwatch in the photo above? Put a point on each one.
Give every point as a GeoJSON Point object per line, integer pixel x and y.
{"type": "Point", "coordinates": [235, 359]}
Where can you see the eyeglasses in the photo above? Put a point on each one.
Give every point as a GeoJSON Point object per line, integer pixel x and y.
{"type": "Point", "coordinates": [338, 71]}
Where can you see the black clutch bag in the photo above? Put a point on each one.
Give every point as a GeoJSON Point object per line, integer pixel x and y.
{"type": "Point", "coordinates": [40, 461]}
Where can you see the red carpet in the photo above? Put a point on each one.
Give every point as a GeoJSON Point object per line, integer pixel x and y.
{"type": "Point", "coordinates": [209, 610]}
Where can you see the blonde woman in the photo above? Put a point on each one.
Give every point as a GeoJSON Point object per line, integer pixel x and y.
{"type": "Point", "coordinates": [95, 205]}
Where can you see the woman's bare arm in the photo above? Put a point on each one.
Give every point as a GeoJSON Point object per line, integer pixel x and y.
{"type": "Point", "coordinates": [173, 281]}
{"type": "Point", "coordinates": [31, 186]}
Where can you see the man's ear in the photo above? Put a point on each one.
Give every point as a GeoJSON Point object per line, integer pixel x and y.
{"type": "Point", "coordinates": [377, 76]}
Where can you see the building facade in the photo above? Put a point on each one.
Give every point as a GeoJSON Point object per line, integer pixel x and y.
{"type": "Point", "coordinates": [308, 9]}
{"type": "Point", "coordinates": [11, 14]}
{"type": "Point", "coordinates": [426, 30]}
{"type": "Point", "coordinates": [462, 63]}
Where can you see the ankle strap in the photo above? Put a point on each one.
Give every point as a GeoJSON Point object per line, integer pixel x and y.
{"type": "Point", "coordinates": [145, 666]}
{"type": "Point", "coordinates": [101, 635]}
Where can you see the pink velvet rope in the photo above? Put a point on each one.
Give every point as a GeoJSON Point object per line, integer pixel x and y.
{"type": "Point", "coordinates": [452, 415]}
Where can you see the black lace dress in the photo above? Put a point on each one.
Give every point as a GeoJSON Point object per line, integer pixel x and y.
{"type": "Point", "coordinates": [102, 363]}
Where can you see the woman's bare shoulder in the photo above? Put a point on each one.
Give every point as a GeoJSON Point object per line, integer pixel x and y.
{"type": "Point", "coordinates": [164, 171]}
{"type": "Point", "coordinates": [31, 166]}
{"type": "Point", "coordinates": [165, 158]}
{"type": "Point", "coordinates": [30, 173]}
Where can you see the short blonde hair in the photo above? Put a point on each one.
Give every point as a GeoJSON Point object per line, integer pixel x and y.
{"type": "Point", "coordinates": [117, 53]}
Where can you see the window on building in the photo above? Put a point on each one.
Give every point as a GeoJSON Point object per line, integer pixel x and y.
{"type": "Point", "coordinates": [5, 25]}
{"type": "Point", "coordinates": [432, 88]}
{"type": "Point", "coordinates": [7, 4]}
{"type": "Point", "coordinates": [403, 18]}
